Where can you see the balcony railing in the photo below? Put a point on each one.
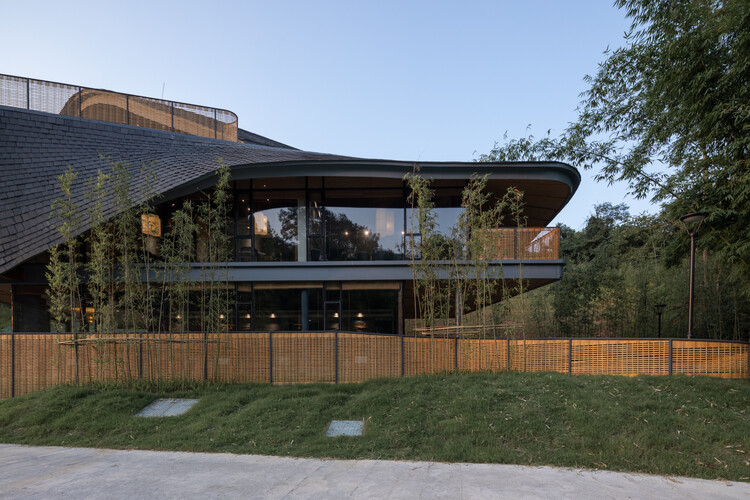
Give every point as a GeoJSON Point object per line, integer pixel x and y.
{"type": "Point", "coordinates": [525, 243]}
{"type": "Point", "coordinates": [115, 107]}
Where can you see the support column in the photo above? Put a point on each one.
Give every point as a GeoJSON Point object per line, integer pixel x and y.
{"type": "Point", "coordinates": [305, 306]}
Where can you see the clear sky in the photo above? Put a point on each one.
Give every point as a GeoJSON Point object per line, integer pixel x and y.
{"type": "Point", "coordinates": [406, 80]}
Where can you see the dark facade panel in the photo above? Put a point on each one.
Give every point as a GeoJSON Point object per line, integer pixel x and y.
{"type": "Point", "coordinates": [365, 271]}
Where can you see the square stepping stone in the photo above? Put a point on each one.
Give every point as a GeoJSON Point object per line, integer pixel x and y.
{"type": "Point", "coordinates": [345, 428]}
{"type": "Point", "coordinates": [167, 407]}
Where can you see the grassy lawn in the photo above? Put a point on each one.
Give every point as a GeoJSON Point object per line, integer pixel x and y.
{"type": "Point", "coordinates": [686, 426]}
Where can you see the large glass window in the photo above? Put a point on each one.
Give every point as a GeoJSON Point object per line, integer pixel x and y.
{"type": "Point", "coordinates": [275, 224]}
{"type": "Point", "coordinates": [370, 307]}
{"type": "Point", "coordinates": [333, 218]}
{"type": "Point", "coordinates": [364, 224]}
{"type": "Point", "coordinates": [288, 307]}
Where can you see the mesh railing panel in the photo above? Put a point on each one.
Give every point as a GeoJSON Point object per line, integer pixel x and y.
{"type": "Point", "coordinates": [717, 359]}
{"type": "Point", "coordinates": [625, 357]}
{"type": "Point", "coordinates": [53, 98]}
{"type": "Point", "coordinates": [6, 365]}
{"type": "Point", "coordinates": [527, 243]}
{"type": "Point", "coordinates": [240, 357]}
{"type": "Point", "coordinates": [482, 354]}
{"type": "Point", "coordinates": [193, 120]}
{"type": "Point", "coordinates": [114, 357]}
{"type": "Point", "coordinates": [428, 355]}
{"type": "Point", "coordinates": [150, 113]}
{"type": "Point", "coordinates": [226, 125]}
{"type": "Point", "coordinates": [364, 357]}
{"type": "Point", "coordinates": [104, 106]}
{"type": "Point", "coordinates": [114, 107]}
{"type": "Point", "coordinates": [41, 362]}
{"type": "Point", "coordinates": [300, 358]}
{"type": "Point", "coordinates": [538, 243]}
{"type": "Point", "coordinates": [13, 92]}
{"type": "Point", "coordinates": [535, 355]}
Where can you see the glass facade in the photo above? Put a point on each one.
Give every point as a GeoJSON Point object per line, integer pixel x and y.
{"type": "Point", "coordinates": [331, 219]}
{"type": "Point", "coordinates": [304, 306]}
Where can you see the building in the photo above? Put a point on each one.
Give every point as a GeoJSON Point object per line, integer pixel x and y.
{"type": "Point", "coordinates": [319, 240]}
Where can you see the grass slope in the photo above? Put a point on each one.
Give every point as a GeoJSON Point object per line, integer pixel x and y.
{"type": "Point", "coordinates": [695, 426]}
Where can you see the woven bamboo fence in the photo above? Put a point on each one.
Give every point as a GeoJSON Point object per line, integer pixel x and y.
{"type": "Point", "coordinates": [34, 361]}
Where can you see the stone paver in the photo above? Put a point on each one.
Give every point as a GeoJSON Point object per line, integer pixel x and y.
{"type": "Point", "coordinates": [53, 472]}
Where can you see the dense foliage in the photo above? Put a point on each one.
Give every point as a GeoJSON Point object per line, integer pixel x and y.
{"type": "Point", "coordinates": [618, 268]}
{"type": "Point", "coordinates": [669, 114]}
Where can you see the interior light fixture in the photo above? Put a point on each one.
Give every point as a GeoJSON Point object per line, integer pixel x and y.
{"type": "Point", "coordinates": [360, 315]}
{"type": "Point", "coordinates": [221, 316]}
{"type": "Point", "coordinates": [273, 316]}
{"type": "Point", "coordinates": [335, 315]}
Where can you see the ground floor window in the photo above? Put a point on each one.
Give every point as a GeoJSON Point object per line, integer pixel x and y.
{"type": "Point", "coordinates": [365, 307]}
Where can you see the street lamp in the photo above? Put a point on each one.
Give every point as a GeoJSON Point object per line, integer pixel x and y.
{"type": "Point", "coordinates": [659, 308]}
{"type": "Point", "coordinates": [692, 222]}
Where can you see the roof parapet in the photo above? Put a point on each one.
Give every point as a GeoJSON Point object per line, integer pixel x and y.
{"type": "Point", "coordinates": [116, 107]}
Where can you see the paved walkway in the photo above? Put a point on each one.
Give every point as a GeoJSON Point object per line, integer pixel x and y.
{"type": "Point", "coordinates": [52, 472]}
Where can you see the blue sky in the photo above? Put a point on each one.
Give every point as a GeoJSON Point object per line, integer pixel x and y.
{"type": "Point", "coordinates": [407, 80]}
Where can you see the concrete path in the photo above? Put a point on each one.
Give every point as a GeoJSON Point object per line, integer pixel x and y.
{"type": "Point", "coordinates": [52, 472]}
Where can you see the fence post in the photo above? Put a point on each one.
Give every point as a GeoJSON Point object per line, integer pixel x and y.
{"type": "Point", "coordinates": [270, 357]}
{"type": "Point", "coordinates": [12, 364]}
{"type": "Point", "coordinates": [402, 354]}
{"type": "Point", "coordinates": [507, 355]}
{"type": "Point", "coordinates": [80, 100]}
{"type": "Point", "coordinates": [171, 106]}
{"type": "Point", "coordinates": [215, 123]}
{"type": "Point", "coordinates": [127, 109]}
{"type": "Point", "coordinates": [455, 354]}
{"type": "Point", "coordinates": [670, 356]}
{"type": "Point", "coordinates": [336, 357]}
{"type": "Point", "coordinates": [140, 356]}
{"type": "Point", "coordinates": [205, 356]}
{"type": "Point", "coordinates": [570, 355]}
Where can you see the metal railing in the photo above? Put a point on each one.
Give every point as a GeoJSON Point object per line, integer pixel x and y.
{"type": "Point", "coordinates": [34, 361]}
{"type": "Point", "coordinates": [526, 243]}
{"type": "Point", "coordinates": [116, 107]}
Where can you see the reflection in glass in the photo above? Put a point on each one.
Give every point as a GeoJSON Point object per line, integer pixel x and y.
{"type": "Point", "coordinates": [280, 309]}
{"type": "Point", "coordinates": [370, 310]}
{"type": "Point", "coordinates": [359, 233]}
{"type": "Point", "coordinates": [275, 228]}
{"type": "Point", "coordinates": [243, 214]}
{"type": "Point", "coordinates": [244, 250]}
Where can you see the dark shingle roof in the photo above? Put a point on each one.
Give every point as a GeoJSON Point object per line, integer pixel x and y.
{"type": "Point", "coordinates": [35, 148]}
{"type": "Point", "coordinates": [252, 138]}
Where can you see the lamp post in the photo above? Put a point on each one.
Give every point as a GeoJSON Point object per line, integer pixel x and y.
{"type": "Point", "coordinates": [691, 223]}
{"type": "Point", "coordinates": [659, 308]}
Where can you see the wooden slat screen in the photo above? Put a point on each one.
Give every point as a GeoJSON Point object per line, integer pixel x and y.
{"type": "Point", "coordinates": [34, 361]}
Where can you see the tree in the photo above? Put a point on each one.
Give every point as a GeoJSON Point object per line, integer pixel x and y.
{"type": "Point", "coordinates": [669, 114]}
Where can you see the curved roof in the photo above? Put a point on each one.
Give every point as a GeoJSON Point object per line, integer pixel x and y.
{"type": "Point", "coordinates": [36, 147]}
